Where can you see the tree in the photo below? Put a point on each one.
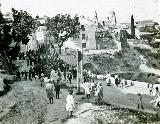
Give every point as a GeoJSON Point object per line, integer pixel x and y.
{"type": "Point", "coordinates": [15, 32]}
{"type": "Point", "coordinates": [62, 27]}
{"type": "Point", "coordinates": [23, 26]}
{"type": "Point", "coordinates": [132, 27]}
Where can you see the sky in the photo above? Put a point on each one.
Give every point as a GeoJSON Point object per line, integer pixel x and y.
{"type": "Point", "coordinates": [141, 9]}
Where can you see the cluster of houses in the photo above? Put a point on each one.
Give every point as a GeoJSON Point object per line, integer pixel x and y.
{"type": "Point", "coordinates": [96, 34]}
{"type": "Point", "coordinates": [93, 34]}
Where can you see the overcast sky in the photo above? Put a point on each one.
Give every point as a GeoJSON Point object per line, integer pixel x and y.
{"type": "Point", "coordinates": [141, 9]}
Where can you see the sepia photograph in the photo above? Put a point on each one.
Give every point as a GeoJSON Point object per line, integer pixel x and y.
{"type": "Point", "coordinates": [79, 61]}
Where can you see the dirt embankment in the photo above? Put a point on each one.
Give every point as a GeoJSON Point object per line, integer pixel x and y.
{"type": "Point", "coordinates": [126, 60]}
{"type": "Point", "coordinates": [24, 104]}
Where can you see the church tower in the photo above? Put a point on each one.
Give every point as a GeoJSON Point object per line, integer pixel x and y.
{"type": "Point", "coordinates": [113, 18]}
{"type": "Point", "coordinates": [95, 19]}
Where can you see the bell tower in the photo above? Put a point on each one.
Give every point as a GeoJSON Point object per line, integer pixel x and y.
{"type": "Point", "coordinates": [95, 19]}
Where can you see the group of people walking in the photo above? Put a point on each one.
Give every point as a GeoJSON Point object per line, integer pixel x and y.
{"type": "Point", "coordinates": [50, 88]}
{"type": "Point", "coordinates": [94, 89]}
{"type": "Point", "coordinates": [53, 88]}
{"type": "Point", "coordinates": [156, 93]}
{"type": "Point", "coordinates": [50, 70]}
{"type": "Point", "coordinates": [39, 63]}
{"type": "Point", "coordinates": [118, 81]}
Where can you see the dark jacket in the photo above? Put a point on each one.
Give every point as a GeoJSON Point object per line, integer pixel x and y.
{"type": "Point", "coordinates": [57, 87]}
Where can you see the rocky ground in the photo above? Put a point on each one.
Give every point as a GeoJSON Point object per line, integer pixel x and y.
{"type": "Point", "coordinates": [92, 114]}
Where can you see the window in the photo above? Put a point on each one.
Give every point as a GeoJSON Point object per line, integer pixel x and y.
{"type": "Point", "coordinates": [83, 45]}
{"type": "Point", "coordinates": [83, 36]}
{"type": "Point", "coordinates": [82, 27]}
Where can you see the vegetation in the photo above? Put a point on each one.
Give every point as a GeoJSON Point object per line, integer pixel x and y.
{"type": "Point", "coordinates": [13, 33]}
{"type": "Point", "coordinates": [62, 27]}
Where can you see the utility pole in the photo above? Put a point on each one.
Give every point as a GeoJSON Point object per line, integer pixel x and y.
{"type": "Point", "coordinates": [78, 85]}
{"type": "Point", "coordinates": [81, 64]}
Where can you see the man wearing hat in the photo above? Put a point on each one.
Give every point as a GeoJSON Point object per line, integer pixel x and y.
{"type": "Point", "coordinates": [49, 91]}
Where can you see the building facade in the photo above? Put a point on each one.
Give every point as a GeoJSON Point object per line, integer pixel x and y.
{"type": "Point", "coordinates": [38, 37]}
{"type": "Point", "coordinates": [87, 39]}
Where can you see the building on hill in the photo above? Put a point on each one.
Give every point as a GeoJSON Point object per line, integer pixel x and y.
{"type": "Point", "coordinates": [86, 38]}
{"type": "Point", "coordinates": [94, 34]}
{"type": "Point", "coordinates": [124, 35]}
{"type": "Point", "coordinates": [147, 26]}
{"type": "Point", "coordinates": [143, 23]}
{"type": "Point", "coordinates": [113, 20]}
{"type": "Point", "coordinates": [147, 29]}
{"type": "Point", "coordinates": [104, 38]}
{"type": "Point", "coordinates": [110, 23]}
{"type": "Point", "coordinates": [107, 22]}
{"type": "Point", "coordinates": [95, 19]}
{"type": "Point", "coordinates": [150, 27]}
{"type": "Point", "coordinates": [38, 37]}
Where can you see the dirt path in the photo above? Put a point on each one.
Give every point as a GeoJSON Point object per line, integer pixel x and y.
{"type": "Point", "coordinates": [27, 103]}
{"type": "Point", "coordinates": [56, 112]}
{"type": "Point", "coordinates": [32, 106]}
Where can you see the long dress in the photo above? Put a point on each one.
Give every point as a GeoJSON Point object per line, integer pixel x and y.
{"type": "Point", "coordinates": [108, 76]}
{"type": "Point", "coordinates": [49, 90]}
{"type": "Point", "coordinates": [70, 103]}
{"type": "Point", "coordinates": [99, 94]}
{"type": "Point", "coordinates": [87, 88]}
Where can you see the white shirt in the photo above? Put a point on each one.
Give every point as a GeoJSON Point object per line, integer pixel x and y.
{"type": "Point", "coordinates": [70, 103]}
{"type": "Point", "coordinates": [49, 86]}
{"type": "Point", "coordinates": [45, 79]}
{"type": "Point", "coordinates": [108, 76]}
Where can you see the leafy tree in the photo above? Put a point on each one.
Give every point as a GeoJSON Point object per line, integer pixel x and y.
{"type": "Point", "coordinates": [62, 27]}
{"type": "Point", "coordinates": [23, 26]}
{"type": "Point", "coordinates": [15, 32]}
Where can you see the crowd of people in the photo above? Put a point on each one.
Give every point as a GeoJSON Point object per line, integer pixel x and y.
{"type": "Point", "coordinates": [46, 67]}
{"type": "Point", "coordinates": [51, 70]}
{"type": "Point", "coordinates": [156, 93]}
{"type": "Point", "coordinates": [116, 80]}
{"type": "Point", "coordinates": [40, 63]}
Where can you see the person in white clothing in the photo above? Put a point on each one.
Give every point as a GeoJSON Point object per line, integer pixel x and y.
{"type": "Point", "coordinates": [70, 103]}
{"type": "Point", "coordinates": [87, 90]}
{"type": "Point", "coordinates": [49, 91]}
{"type": "Point", "coordinates": [46, 80]}
{"type": "Point", "coordinates": [122, 82]}
{"type": "Point", "coordinates": [108, 80]}
{"type": "Point", "coordinates": [99, 93]}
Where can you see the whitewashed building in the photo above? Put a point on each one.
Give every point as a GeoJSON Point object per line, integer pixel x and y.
{"type": "Point", "coordinates": [86, 40]}
{"type": "Point", "coordinates": [38, 37]}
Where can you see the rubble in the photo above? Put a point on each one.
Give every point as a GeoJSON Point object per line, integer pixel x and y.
{"type": "Point", "coordinates": [91, 114]}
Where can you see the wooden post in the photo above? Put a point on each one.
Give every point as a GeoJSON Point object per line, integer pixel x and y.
{"type": "Point", "coordinates": [78, 85]}
{"type": "Point", "coordinates": [81, 65]}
